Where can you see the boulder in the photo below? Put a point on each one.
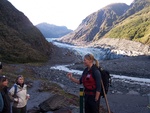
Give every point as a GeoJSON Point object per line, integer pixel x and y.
{"type": "Point", "coordinates": [55, 102]}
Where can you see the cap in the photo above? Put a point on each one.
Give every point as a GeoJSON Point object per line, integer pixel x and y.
{"type": "Point", "coordinates": [3, 78]}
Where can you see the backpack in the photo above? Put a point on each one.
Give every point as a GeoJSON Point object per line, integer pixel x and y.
{"type": "Point", "coordinates": [106, 78]}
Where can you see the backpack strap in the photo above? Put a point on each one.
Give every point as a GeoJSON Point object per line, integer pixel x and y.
{"type": "Point", "coordinates": [15, 90]}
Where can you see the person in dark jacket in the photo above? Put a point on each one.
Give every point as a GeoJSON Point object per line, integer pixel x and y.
{"type": "Point", "coordinates": [1, 68]}
{"type": "Point", "coordinates": [91, 81]}
{"type": "Point", "coordinates": [5, 96]}
{"type": "Point", "coordinates": [1, 88]}
{"type": "Point", "coordinates": [1, 98]}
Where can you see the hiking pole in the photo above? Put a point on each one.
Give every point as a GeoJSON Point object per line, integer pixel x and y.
{"type": "Point", "coordinates": [108, 108]}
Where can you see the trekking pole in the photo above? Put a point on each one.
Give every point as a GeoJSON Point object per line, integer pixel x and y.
{"type": "Point", "coordinates": [108, 108]}
{"type": "Point", "coordinates": [81, 100]}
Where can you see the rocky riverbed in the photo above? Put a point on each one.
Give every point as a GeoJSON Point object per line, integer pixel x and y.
{"type": "Point", "coordinates": [123, 97]}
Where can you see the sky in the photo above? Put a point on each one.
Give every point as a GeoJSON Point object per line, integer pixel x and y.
{"type": "Point", "coordinates": [69, 13]}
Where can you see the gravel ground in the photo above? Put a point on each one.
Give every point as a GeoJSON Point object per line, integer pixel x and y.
{"type": "Point", "coordinates": [122, 97]}
{"type": "Point", "coordinates": [36, 97]}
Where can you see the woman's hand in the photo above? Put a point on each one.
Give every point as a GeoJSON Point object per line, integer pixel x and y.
{"type": "Point", "coordinates": [97, 96]}
{"type": "Point", "coordinates": [27, 96]}
{"type": "Point", "coordinates": [69, 75]}
{"type": "Point", "coordinates": [16, 100]}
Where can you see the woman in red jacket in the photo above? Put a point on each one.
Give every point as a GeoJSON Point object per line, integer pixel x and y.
{"type": "Point", "coordinates": [91, 81]}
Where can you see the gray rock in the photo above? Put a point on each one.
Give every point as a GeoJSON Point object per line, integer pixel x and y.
{"type": "Point", "coordinates": [133, 93]}
{"type": "Point", "coordinates": [53, 103]}
{"type": "Point", "coordinates": [64, 110]}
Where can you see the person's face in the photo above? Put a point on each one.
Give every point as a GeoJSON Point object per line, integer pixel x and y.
{"type": "Point", "coordinates": [87, 62]}
{"type": "Point", "coordinates": [20, 80]}
{"type": "Point", "coordinates": [5, 83]}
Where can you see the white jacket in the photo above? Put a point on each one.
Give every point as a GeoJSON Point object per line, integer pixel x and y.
{"type": "Point", "coordinates": [21, 96]}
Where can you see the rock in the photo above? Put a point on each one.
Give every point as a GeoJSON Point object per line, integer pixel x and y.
{"type": "Point", "coordinates": [63, 110]}
{"type": "Point", "coordinates": [133, 93]}
{"type": "Point", "coordinates": [55, 102]}
{"type": "Point", "coordinates": [34, 110]}
{"type": "Point", "coordinates": [103, 110]}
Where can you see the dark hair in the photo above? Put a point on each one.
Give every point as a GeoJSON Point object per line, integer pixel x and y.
{"type": "Point", "coordinates": [19, 77]}
{"type": "Point", "coordinates": [2, 79]}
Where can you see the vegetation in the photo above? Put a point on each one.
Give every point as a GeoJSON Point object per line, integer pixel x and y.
{"type": "Point", "coordinates": [136, 28]}
{"type": "Point", "coordinates": [20, 41]}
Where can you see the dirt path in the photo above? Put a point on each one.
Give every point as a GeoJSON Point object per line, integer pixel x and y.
{"type": "Point", "coordinates": [36, 97]}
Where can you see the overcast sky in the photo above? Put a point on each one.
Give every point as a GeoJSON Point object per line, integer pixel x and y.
{"type": "Point", "coordinates": [69, 13]}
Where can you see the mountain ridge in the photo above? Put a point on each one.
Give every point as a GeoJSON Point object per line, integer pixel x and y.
{"type": "Point", "coordinates": [98, 24]}
{"type": "Point", "coordinates": [52, 31]}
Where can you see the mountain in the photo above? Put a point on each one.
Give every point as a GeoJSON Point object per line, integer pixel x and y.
{"type": "Point", "coordinates": [52, 31]}
{"type": "Point", "coordinates": [99, 22]}
{"type": "Point", "coordinates": [115, 21]}
{"type": "Point", "coordinates": [136, 27]}
{"type": "Point", "coordinates": [20, 40]}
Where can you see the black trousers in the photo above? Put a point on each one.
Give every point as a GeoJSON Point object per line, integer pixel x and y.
{"type": "Point", "coordinates": [91, 106]}
{"type": "Point", "coordinates": [19, 110]}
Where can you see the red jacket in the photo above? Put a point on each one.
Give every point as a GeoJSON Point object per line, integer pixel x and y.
{"type": "Point", "coordinates": [88, 81]}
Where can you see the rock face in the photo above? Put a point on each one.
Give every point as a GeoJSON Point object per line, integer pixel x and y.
{"type": "Point", "coordinates": [20, 41]}
{"type": "Point", "coordinates": [115, 21]}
